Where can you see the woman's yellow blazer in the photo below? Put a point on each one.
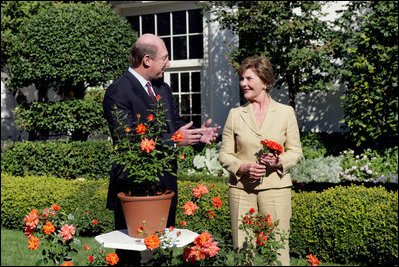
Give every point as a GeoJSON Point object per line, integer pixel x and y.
{"type": "Point", "coordinates": [241, 142]}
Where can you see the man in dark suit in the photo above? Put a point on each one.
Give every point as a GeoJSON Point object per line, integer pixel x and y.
{"type": "Point", "coordinates": [133, 94]}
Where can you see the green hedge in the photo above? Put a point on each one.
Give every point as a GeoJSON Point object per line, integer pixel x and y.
{"type": "Point", "coordinates": [351, 224]}
{"type": "Point", "coordinates": [19, 195]}
{"type": "Point", "coordinates": [346, 225]}
{"type": "Point", "coordinates": [69, 160]}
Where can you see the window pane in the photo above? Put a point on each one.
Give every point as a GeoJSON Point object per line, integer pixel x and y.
{"type": "Point", "coordinates": [195, 21]}
{"type": "Point", "coordinates": [195, 82]}
{"type": "Point", "coordinates": [167, 44]}
{"type": "Point", "coordinates": [179, 22]}
{"type": "Point", "coordinates": [163, 23]}
{"type": "Point", "coordinates": [184, 82]}
{"type": "Point", "coordinates": [196, 48]}
{"type": "Point", "coordinates": [174, 82]}
{"type": "Point", "coordinates": [179, 48]}
{"type": "Point", "coordinates": [148, 24]}
{"type": "Point", "coordinates": [196, 108]}
{"type": "Point", "coordinates": [134, 21]}
{"type": "Point", "coordinates": [185, 104]}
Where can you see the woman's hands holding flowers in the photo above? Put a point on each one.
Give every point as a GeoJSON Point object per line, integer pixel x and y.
{"type": "Point", "coordinates": [253, 170]}
{"type": "Point", "coordinates": [270, 159]}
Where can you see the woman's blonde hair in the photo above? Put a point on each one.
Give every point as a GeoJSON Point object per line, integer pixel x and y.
{"type": "Point", "coordinates": [261, 66]}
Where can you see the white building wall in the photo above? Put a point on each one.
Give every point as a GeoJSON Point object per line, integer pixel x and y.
{"type": "Point", "coordinates": [220, 84]}
{"type": "Point", "coordinates": [8, 128]}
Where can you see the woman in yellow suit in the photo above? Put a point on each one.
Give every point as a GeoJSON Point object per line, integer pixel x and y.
{"type": "Point", "coordinates": [264, 182]}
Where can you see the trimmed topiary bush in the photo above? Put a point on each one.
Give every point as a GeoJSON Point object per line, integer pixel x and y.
{"type": "Point", "coordinates": [70, 47]}
{"type": "Point", "coordinates": [346, 225]}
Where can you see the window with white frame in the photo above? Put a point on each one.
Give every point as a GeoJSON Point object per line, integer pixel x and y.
{"type": "Point", "coordinates": [182, 32]}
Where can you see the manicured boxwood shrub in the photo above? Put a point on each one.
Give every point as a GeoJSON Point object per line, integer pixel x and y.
{"type": "Point", "coordinates": [69, 160]}
{"type": "Point", "coordinates": [345, 225]}
{"type": "Point", "coordinates": [19, 195]}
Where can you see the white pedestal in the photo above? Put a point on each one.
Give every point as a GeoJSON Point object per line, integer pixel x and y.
{"type": "Point", "coordinates": [120, 239]}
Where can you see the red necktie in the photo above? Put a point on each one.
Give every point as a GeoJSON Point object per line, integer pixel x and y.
{"type": "Point", "coordinates": [152, 96]}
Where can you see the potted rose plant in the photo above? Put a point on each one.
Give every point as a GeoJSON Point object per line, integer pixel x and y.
{"type": "Point", "coordinates": [145, 157]}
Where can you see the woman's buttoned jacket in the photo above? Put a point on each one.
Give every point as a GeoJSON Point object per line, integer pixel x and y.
{"type": "Point", "coordinates": [241, 142]}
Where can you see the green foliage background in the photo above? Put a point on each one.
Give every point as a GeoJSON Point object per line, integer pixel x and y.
{"type": "Point", "coordinates": [80, 117]}
{"type": "Point", "coordinates": [299, 45]}
{"type": "Point", "coordinates": [13, 15]}
{"type": "Point", "coordinates": [371, 97]}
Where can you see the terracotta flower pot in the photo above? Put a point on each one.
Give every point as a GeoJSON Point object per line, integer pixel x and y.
{"type": "Point", "coordinates": [153, 209]}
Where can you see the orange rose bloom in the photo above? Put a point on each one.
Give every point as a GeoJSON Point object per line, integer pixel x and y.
{"type": "Point", "coordinates": [217, 202]}
{"type": "Point", "coordinates": [147, 145]}
{"type": "Point", "coordinates": [33, 243]}
{"type": "Point", "coordinates": [112, 258]}
{"type": "Point", "coordinates": [313, 260]}
{"type": "Point", "coordinates": [48, 228]}
{"type": "Point", "coordinates": [200, 190]}
{"type": "Point", "coordinates": [55, 207]}
{"type": "Point", "coordinates": [202, 239]}
{"type": "Point", "coordinates": [67, 263]}
{"type": "Point", "coordinates": [261, 239]}
{"type": "Point", "coordinates": [91, 258]}
{"type": "Point", "coordinates": [178, 136]}
{"type": "Point", "coordinates": [150, 117]}
{"type": "Point", "coordinates": [189, 208]}
{"type": "Point", "coordinates": [141, 129]}
{"type": "Point", "coordinates": [32, 219]}
{"type": "Point", "coordinates": [152, 241]}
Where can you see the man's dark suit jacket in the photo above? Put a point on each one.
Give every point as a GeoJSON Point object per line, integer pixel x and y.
{"type": "Point", "coordinates": [129, 96]}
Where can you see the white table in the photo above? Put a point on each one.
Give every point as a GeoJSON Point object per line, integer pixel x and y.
{"type": "Point", "coordinates": [120, 239]}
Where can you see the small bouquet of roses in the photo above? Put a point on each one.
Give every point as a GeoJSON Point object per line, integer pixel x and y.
{"type": "Point", "coordinates": [271, 147]}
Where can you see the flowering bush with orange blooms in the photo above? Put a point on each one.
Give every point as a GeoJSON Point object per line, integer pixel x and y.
{"type": "Point", "coordinates": [262, 241]}
{"type": "Point", "coordinates": [204, 248]}
{"type": "Point", "coordinates": [312, 260]}
{"type": "Point", "coordinates": [53, 232]}
{"type": "Point", "coordinates": [100, 258]}
{"type": "Point", "coordinates": [164, 251]}
{"type": "Point", "coordinates": [140, 149]}
{"type": "Point", "coordinates": [202, 210]}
